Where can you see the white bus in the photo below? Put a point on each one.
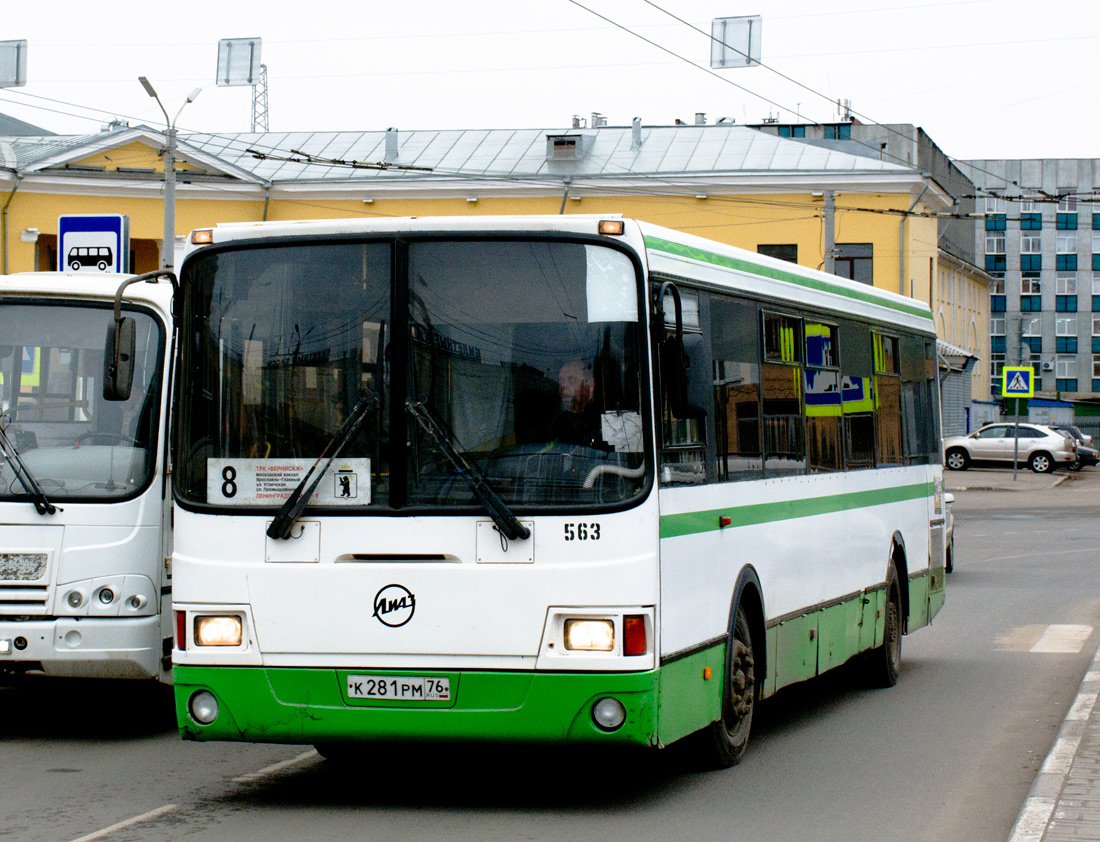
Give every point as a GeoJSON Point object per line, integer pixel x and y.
{"type": "Point", "coordinates": [84, 582]}
{"type": "Point", "coordinates": [563, 480]}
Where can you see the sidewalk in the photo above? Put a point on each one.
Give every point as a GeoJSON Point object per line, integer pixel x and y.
{"type": "Point", "coordinates": [1064, 801]}
{"type": "Point", "coordinates": [1000, 479]}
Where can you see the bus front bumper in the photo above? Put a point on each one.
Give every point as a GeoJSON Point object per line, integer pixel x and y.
{"type": "Point", "coordinates": [288, 705]}
{"type": "Point", "coordinates": [84, 647]}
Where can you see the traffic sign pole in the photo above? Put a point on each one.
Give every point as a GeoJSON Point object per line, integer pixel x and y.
{"type": "Point", "coordinates": [1017, 381]}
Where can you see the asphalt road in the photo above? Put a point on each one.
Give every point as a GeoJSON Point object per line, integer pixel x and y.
{"type": "Point", "coordinates": [946, 755]}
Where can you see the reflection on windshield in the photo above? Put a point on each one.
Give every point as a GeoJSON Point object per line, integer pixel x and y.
{"type": "Point", "coordinates": [526, 352]}
{"type": "Point", "coordinates": [75, 444]}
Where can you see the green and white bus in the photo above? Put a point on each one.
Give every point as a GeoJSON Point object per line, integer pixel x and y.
{"type": "Point", "coordinates": [560, 480]}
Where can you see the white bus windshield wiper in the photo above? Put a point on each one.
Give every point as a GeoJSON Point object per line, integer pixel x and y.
{"type": "Point", "coordinates": [300, 496]}
{"type": "Point", "coordinates": [498, 510]}
{"type": "Point", "coordinates": [7, 447]}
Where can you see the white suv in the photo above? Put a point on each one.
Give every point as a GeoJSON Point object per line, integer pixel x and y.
{"type": "Point", "coordinates": [1041, 448]}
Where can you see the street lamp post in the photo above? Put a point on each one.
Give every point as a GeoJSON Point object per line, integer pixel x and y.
{"type": "Point", "coordinates": [168, 249]}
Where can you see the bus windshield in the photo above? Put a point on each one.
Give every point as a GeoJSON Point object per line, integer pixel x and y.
{"type": "Point", "coordinates": [75, 444]}
{"type": "Point", "coordinates": [525, 354]}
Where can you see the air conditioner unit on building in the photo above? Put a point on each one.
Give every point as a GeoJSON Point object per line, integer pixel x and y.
{"type": "Point", "coordinates": [1048, 366]}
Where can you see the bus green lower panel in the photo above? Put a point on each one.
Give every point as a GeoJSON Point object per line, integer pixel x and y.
{"type": "Point", "coordinates": [292, 705]}
{"type": "Point", "coordinates": [691, 693]}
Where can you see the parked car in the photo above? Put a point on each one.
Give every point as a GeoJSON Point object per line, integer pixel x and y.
{"type": "Point", "coordinates": [1087, 455]}
{"type": "Point", "coordinates": [949, 532]}
{"type": "Point", "coordinates": [1041, 448]}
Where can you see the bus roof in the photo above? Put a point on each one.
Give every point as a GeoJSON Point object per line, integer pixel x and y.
{"type": "Point", "coordinates": [90, 286]}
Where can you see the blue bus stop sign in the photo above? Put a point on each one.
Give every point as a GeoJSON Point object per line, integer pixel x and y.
{"type": "Point", "coordinates": [93, 243]}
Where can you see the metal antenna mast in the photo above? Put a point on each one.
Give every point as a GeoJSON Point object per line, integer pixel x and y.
{"type": "Point", "coordinates": [259, 102]}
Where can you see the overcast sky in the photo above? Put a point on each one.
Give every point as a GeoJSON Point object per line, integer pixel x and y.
{"type": "Point", "coordinates": [984, 78]}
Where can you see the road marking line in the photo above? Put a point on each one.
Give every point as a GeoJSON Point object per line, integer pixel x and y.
{"type": "Point", "coordinates": [275, 767]}
{"type": "Point", "coordinates": [152, 814]}
{"type": "Point", "coordinates": [1064, 640]}
{"type": "Point", "coordinates": [1082, 706]}
{"type": "Point", "coordinates": [1032, 823]}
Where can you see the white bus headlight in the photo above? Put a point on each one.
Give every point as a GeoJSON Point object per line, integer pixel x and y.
{"type": "Point", "coordinates": [590, 635]}
{"type": "Point", "coordinates": [218, 631]}
{"type": "Point", "coordinates": [204, 707]}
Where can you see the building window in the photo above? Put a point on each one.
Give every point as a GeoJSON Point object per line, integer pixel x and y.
{"type": "Point", "coordinates": [1095, 242]}
{"type": "Point", "coordinates": [1096, 365]}
{"type": "Point", "coordinates": [998, 344]}
{"type": "Point", "coordinates": [1066, 283]}
{"type": "Point", "coordinates": [995, 204]}
{"type": "Point", "coordinates": [838, 131]}
{"type": "Point", "coordinates": [996, 368]}
{"type": "Point", "coordinates": [1030, 206]}
{"type": "Point", "coordinates": [854, 261]}
{"type": "Point", "coordinates": [995, 243]}
{"type": "Point", "coordinates": [1031, 221]}
{"type": "Point", "coordinates": [998, 287]}
{"type": "Point", "coordinates": [1096, 324]}
{"type": "Point", "coordinates": [997, 303]}
{"type": "Point", "coordinates": [1067, 200]}
{"type": "Point", "coordinates": [1066, 326]}
{"type": "Point", "coordinates": [1030, 285]}
{"type": "Point", "coordinates": [1065, 262]}
{"type": "Point", "coordinates": [995, 222]}
{"type": "Point", "coordinates": [1032, 326]}
{"type": "Point", "coordinates": [1066, 243]}
{"type": "Point", "coordinates": [1066, 222]}
{"type": "Point", "coordinates": [785, 251]}
{"type": "Point", "coordinates": [1030, 244]}
{"type": "Point", "coordinates": [1065, 344]}
{"type": "Point", "coordinates": [1065, 366]}
{"type": "Point", "coordinates": [996, 325]}
{"type": "Point", "coordinates": [997, 263]}
{"type": "Point", "coordinates": [1065, 303]}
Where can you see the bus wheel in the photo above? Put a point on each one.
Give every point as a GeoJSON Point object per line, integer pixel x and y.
{"type": "Point", "coordinates": [723, 743]}
{"type": "Point", "coordinates": [884, 662]}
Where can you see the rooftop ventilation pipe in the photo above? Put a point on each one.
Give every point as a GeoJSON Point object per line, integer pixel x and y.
{"type": "Point", "coordinates": [635, 134]}
{"type": "Point", "coordinates": [391, 146]}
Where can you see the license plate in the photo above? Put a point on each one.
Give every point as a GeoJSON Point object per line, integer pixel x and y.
{"type": "Point", "coordinates": [401, 688]}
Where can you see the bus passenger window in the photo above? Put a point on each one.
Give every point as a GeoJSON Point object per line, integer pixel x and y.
{"type": "Point", "coordinates": [822, 391]}
{"type": "Point", "coordinates": [857, 399]}
{"type": "Point", "coordinates": [887, 401]}
{"type": "Point", "coordinates": [736, 343]}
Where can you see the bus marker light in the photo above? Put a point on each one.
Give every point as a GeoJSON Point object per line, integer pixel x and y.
{"type": "Point", "coordinates": [724, 521]}
{"type": "Point", "coordinates": [202, 237]}
{"type": "Point", "coordinates": [706, 673]}
{"type": "Point", "coordinates": [611, 226]}
{"type": "Point", "coordinates": [181, 629]}
{"type": "Point", "coordinates": [608, 714]}
{"type": "Point", "coordinates": [204, 707]}
{"type": "Point", "coordinates": [218, 630]}
{"type": "Point", "coordinates": [590, 635]}
{"type": "Point", "coordinates": [634, 642]}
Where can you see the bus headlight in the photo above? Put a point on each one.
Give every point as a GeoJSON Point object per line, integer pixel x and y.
{"type": "Point", "coordinates": [218, 630]}
{"type": "Point", "coordinates": [590, 635]}
{"type": "Point", "coordinates": [608, 714]}
{"type": "Point", "coordinates": [204, 707]}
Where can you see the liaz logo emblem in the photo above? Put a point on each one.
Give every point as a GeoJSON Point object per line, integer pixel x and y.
{"type": "Point", "coordinates": [394, 605]}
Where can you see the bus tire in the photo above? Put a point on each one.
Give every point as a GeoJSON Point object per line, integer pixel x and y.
{"type": "Point", "coordinates": [884, 662]}
{"type": "Point", "coordinates": [722, 744]}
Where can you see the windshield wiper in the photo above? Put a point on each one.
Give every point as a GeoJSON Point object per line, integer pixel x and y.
{"type": "Point", "coordinates": [300, 496]}
{"type": "Point", "coordinates": [498, 510]}
{"type": "Point", "coordinates": [7, 447]}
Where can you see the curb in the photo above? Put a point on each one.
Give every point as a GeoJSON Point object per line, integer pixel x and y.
{"type": "Point", "coordinates": [1046, 790]}
{"type": "Point", "coordinates": [1054, 484]}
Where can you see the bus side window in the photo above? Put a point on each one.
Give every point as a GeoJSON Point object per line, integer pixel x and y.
{"type": "Point", "coordinates": [781, 378]}
{"type": "Point", "coordinates": [684, 440]}
{"type": "Point", "coordinates": [823, 403]}
{"type": "Point", "coordinates": [857, 395]}
{"type": "Point", "coordinates": [736, 345]}
{"type": "Point", "coordinates": [888, 449]}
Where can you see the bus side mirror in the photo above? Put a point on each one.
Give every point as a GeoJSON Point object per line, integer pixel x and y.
{"type": "Point", "coordinates": [118, 359]}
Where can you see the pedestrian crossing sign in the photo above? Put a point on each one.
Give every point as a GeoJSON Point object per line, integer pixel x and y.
{"type": "Point", "coordinates": [1018, 381]}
